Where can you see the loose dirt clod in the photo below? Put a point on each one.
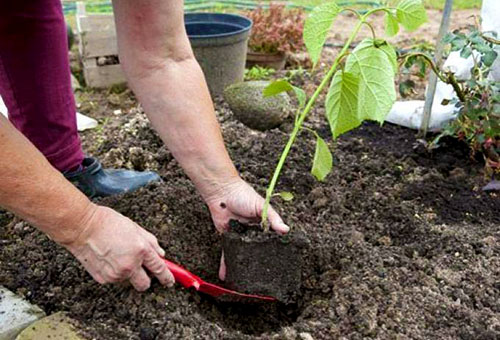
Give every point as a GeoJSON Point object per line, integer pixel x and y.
{"type": "Point", "coordinates": [264, 263]}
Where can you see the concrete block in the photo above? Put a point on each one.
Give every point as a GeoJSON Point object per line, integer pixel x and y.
{"type": "Point", "coordinates": [15, 314]}
{"type": "Point", "coordinates": [57, 326]}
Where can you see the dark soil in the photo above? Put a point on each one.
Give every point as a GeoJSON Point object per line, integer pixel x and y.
{"type": "Point", "coordinates": [264, 263]}
{"type": "Point", "coordinates": [404, 244]}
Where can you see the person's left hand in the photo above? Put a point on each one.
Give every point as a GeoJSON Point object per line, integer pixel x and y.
{"type": "Point", "coordinates": [239, 201]}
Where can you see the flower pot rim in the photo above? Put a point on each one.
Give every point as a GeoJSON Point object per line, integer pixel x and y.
{"type": "Point", "coordinates": [240, 23]}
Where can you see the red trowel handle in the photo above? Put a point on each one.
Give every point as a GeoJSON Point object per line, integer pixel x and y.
{"type": "Point", "coordinates": [183, 276]}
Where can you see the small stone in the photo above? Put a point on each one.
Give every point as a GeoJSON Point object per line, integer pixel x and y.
{"type": "Point", "coordinates": [15, 314]}
{"type": "Point", "coordinates": [357, 237]}
{"type": "Point", "coordinates": [489, 241]}
{"type": "Point", "coordinates": [317, 193]}
{"type": "Point", "coordinates": [114, 99]}
{"type": "Point", "coordinates": [289, 333]}
{"type": "Point", "coordinates": [305, 336]}
{"type": "Point", "coordinates": [101, 61]}
{"type": "Point", "coordinates": [320, 202]}
{"type": "Point", "coordinates": [385, 240]}
{"type": "Point", "coordinates": [449, 276]}
{"type": "Point", "coordinates": [57, 326]}
{"type": "Point", "coordinates": [249, 106]}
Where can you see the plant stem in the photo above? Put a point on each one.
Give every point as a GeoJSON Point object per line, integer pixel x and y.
{"type": "Point", "coordinates": [302, 117]}
{"type": "Point", "coordinates": [428, 60]}
{"type": "Point", "coordinates": [448, 79]}
{"type": "Point", "coordinates": [454, 83]}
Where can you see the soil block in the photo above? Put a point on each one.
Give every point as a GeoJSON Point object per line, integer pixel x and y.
{"type": "Point", "coordinates": [264, 263]}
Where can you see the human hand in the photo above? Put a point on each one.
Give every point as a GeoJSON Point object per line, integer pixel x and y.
{"type": "Point", "coordinates": [239, 201]}
{"type": "Point", "coordinates": [112, 248]}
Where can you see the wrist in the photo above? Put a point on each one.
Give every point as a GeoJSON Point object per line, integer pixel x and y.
{"type": "Point", "coordinates": [73, 226]}
{"type": "Point", "coordinates": [218, 191]}
{"type": "Point", "coordinates": [209, 179]}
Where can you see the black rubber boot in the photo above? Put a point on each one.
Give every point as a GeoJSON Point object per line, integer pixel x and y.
{"type": "Point", "coordinates": [94, 181]}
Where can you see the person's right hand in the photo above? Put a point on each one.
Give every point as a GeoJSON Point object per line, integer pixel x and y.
{"type": "Point", "coordinates": [112, 248]}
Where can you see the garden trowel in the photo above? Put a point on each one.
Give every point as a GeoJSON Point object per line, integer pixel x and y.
{"type": "Point", "coordinates": [189, 280]}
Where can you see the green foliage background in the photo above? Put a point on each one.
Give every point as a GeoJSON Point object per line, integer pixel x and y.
{"type": "Point", "coordinates": [457, 4]}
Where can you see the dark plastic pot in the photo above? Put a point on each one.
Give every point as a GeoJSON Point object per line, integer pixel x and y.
{"type": "Point", "coordinates": [219, 43]}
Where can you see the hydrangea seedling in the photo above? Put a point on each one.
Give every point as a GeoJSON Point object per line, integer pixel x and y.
{"type": "Point", "coordinates": [361, 81]}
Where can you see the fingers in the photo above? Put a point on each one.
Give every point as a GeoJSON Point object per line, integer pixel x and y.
{"type": "Point", "coordinates": [158, 268]}
{"type": "Point", "coordinates": [222, 268]}
{"type": "Point", "coordinates": [277, 223]}
{"type": "Point", "coordinates": [140, 280]}
{"type": "Point", "coordinates": [153, 241]}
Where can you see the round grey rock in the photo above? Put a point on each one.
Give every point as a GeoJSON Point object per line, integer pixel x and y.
{"type": "Point", "coordinates": [251, 108]}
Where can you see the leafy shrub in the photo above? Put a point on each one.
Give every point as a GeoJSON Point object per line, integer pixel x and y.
{"type": "Point", "coordinates": [259, 73]}
{"type": "Point", "coordinates": [276, 30]}
{"type": "Point", "coordinates": [478, 121]}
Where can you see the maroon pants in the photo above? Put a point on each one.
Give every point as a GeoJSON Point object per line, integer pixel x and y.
{"type": "Point", "coordinates": [35, 78]}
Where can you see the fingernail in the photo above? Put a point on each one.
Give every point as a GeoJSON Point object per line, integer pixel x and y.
{"type": "Point", "coordinates": [162, 252]}
{"type": "Point", "coordinates": [284, 228]}
{"type": "Point", "coordinates": [171, 281]}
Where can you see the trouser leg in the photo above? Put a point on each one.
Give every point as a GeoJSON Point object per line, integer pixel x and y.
{"type": "Point", "coordinates": [35, 78]}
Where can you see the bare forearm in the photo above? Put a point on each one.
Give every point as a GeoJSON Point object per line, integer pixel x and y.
{"type": "Point", "coordinates": [178, 104]}
{"type": "Point", "coordinates": [31, 188]}
{"type": "Point", "coordinates": [169, 83]}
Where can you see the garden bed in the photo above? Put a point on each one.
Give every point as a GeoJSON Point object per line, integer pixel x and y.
{"type": "Point", "coordinates": [403, 243]}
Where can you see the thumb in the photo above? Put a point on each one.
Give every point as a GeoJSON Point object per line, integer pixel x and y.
{"type": "Point", "coordinates": [277, 223]}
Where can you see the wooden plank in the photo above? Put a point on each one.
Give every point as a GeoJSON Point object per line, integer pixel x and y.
{"type": "Point", "coordinates": [80, 12]}
{"type": "Point", "coordinates": [102, 76]}
{"type": "Point", "coordinates": [97, 22]}
{"type": "Point", "coordinates": [97, 35]}
{"type": "Point", "coordinates": [97, 38]}
{"type": "Point", "coordinates": [97, 44]}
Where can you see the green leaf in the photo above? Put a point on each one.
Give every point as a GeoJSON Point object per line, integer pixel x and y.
{"type": "Point", "coordinates": [323, 161]}
{"type": "Point", "coordinates": [282, 85]}
{"type": "Point", "coordinates": [285, 195]}
{"type": "Point", "coordinates": [276, 87]}
{"type": "Point", "coordinates": [489, 58]}
{"type": "Point", "coordinates": [383, 46]}
{"type": "Point", "coordinates": [342, 103]}
{"type": "Point", "coordinates": [388, 50]}
{"type": "Point", "coordinates": [391, 25]}
{"type": "Point", "coordinates": [317, 26]}
{"type": "Point", "coordinates": [411, 14]}
{"type": "Point", "coordinates": [466, 52]}
{"type": "Point", "coordinates": [301, 96]}
{"type": "Point", "coordinates": [374, 68]}
{"type": "Point", "coordinates": [407, 88]}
